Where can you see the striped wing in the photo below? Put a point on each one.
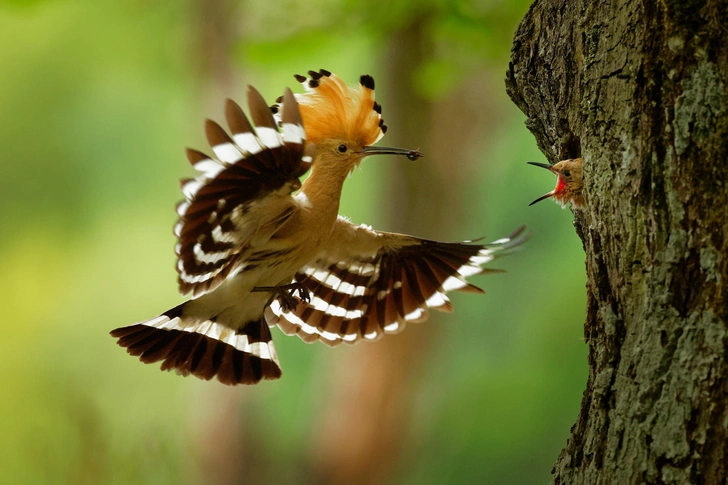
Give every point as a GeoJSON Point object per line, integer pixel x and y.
{"type": "Point", "coordinates": [375, 282]}
{"type": "Point", "coordinates": [242, 195]}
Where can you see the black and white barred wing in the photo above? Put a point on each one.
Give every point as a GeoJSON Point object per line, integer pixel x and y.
{"type": "Point", "coordinates": [242, 195]}
{"type": "Point", "coordinates": [371, 283]}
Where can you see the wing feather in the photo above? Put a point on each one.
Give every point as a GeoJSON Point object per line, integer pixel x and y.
{"type": "Point", "coordinates": [241, 195]}
{"type": "Point", "coordinates": [369, 283]}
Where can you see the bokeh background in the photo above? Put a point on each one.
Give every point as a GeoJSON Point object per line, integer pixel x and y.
{"type": "Point", "coordinates": [98, 100]}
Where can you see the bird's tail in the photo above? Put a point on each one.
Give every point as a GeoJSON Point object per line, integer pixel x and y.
{"type": "Point", "coordinates": [204, 349]}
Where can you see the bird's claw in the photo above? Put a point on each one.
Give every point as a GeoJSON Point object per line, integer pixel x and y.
{"type": "Point", "coordinates": [303, 292]}
{"type": "Point", "coordinates": [287, 301]}
{"type": "Point", "coordinates": [284, 294]}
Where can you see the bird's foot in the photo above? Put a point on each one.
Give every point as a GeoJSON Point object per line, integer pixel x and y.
{"type": "Point", "coordinates": [284, 294]}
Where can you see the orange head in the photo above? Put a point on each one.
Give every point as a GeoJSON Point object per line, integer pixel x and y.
{"type": "Point", "coordinates": [569, 182]}
{"type": "Point", "coordinates": [342, 122]}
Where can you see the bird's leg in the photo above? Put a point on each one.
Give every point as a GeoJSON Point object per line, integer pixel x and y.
{"type": "Point", "coordinates": [284, 294]}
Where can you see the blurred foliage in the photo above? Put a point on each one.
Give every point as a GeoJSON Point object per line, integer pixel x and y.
{"type": "Point", "coordinates": [99, 98]}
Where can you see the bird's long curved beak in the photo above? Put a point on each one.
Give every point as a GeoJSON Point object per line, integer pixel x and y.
{"type": "Point", "coordinates": [542, 165]}
{"type": "Point", "coordinates": [544, 196]}
{"type": "Point", "coordinates": [372, 150]}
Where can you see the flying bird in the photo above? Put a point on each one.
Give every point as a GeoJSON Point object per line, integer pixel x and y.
{"type": "Point", "coordinates": [258, 248]}
{"type": "Point", "coordinates": [569, 182]}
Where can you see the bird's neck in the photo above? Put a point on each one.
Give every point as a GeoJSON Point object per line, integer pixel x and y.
{"type": "Point", "coordinates": [323, 187]}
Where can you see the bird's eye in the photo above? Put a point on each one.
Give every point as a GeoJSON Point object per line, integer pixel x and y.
{"type": "Point", "coordinates": [566, 172]}
{"type": "Point", "coordinates": [342, 148]}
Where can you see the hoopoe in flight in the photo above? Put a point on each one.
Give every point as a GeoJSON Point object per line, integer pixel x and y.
{"type": "Point", "coordinates": [569, 182]}
{"type": "Point", "coordinates": [257, 248]}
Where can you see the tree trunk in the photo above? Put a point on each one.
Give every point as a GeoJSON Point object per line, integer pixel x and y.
{"type": "Point", "coordinates": [638, 88]}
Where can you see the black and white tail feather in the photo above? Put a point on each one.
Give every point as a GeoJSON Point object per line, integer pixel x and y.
{"type": "Point", "coordinates": [241, 193]}
{"type": "Point", "coordinates": [204, 349]}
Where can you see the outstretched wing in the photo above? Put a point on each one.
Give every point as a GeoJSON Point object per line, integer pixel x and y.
{"type": "Point", "coordinates": [369, 283]}
{"type": "Point", "coordinates": [242, 195]}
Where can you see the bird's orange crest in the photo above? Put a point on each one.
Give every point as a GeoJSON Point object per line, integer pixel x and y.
{"type": "Point", "coordinates": [330, 109]}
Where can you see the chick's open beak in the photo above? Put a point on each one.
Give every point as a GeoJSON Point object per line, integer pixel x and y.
{"type": "Point", "coordinates": [544, 196]}
{"type": "Point", "coordinates": [542, 165]}
{"type": "Point", "coordinates": [550, 169]}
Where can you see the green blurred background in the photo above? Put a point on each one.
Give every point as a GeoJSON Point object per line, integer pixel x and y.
{"type": "Point", "coordinates": [98, 100]}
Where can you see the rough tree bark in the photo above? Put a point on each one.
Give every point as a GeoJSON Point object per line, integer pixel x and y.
{"type": "Point", "coordinates": [638, 88]}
